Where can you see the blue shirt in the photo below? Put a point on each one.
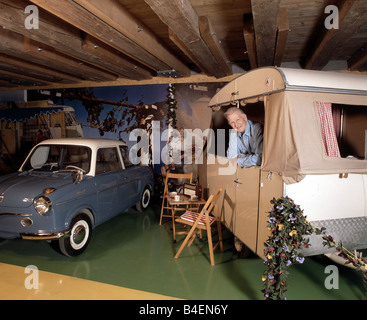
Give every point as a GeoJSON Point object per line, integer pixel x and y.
{"type": "Point", "coordinates": [248, 145]}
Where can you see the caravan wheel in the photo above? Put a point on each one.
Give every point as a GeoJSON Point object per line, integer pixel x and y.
{"type": "Point", "coordinates": [241, 249]}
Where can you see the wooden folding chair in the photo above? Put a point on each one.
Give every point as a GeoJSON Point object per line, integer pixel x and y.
{"type": "Point", "coordinates": [165, 206]}
{"type": "Point", "coordinates": [203, 221]}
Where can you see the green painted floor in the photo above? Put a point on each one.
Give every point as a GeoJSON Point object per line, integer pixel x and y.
{"type": "Point", "coordinates": [133, 251]}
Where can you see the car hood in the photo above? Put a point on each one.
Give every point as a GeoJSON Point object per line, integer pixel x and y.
{"type": "Point", "coordinates": [20, 190]}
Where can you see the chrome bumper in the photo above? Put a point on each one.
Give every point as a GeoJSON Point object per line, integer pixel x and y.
{"type": "Point", "coordinates": [45, 236]}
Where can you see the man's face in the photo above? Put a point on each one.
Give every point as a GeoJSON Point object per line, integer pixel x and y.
{"type": "Point", "coordinates": [237, 121]}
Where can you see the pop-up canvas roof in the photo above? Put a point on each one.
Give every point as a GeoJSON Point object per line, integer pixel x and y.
{"type": "Point", "coordinates": [294, 140]}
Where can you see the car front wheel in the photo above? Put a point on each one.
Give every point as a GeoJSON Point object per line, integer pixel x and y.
{"type": "Point", "coordinates": [80, 234]}
{"type": "Point", "coordinates": [145, 200]}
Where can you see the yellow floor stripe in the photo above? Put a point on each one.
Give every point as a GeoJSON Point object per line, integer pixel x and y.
{"type": "Point", "coordinates": [14, 281]}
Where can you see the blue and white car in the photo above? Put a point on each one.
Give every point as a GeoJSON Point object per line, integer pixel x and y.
{"type": "Point", "coordinates": [67, 187]}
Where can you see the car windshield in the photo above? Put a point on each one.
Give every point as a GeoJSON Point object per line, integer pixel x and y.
{"type": "Point", "coordinates": [58, 157]}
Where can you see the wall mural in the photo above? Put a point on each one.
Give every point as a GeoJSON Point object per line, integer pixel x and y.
{"type": "Point", "coordinates": [114, 112]}
{"type": "Point", "coordinates": [110, 112]}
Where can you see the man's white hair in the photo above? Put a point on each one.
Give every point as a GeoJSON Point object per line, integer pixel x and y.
{"type": "Point", "coordinates": [233, 110]}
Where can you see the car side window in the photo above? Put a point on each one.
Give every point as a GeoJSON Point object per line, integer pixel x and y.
{"type": "Point", "coordinates": [125, 156]}
{"type": "Point", "coordinates": [107, 160]}
{"type": "Point", "coordinates": [77, 156]}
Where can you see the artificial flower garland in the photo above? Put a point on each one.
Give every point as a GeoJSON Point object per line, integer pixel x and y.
{"type": "Point", "coordinates": [288, 226]}
{"type": "Point", "coordinates": [359, 263]}
{"type": "Point", "coordinates": [172, 106]}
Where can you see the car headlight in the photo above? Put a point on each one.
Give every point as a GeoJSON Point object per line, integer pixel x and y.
{"type": "Point", "coordinates": [42, 204]}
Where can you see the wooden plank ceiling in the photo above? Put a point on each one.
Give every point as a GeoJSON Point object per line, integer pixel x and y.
{"type": "Point", "coordinates": [106, 42]}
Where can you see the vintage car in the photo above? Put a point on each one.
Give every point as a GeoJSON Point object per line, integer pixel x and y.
{"type": "Point", "coordinates": [66, 187]}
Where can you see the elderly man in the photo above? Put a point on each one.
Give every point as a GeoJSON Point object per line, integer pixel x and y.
{"type": "Point", "coordinates": [246, 144]}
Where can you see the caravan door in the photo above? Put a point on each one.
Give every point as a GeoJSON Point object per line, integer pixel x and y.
{"type": "Point", "coordinates": [247, 186]}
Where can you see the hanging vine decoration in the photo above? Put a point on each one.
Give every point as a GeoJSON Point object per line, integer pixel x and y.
{"type": "Point", "coordinates": [287, 225]}
{"type": "Point", "coordinates": [172, 106]}
{"type": "Point", "coordinates": [354, 259]}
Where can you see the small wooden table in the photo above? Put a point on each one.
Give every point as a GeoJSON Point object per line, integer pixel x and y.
{"type": "Point", "coordinates": [184, 201]}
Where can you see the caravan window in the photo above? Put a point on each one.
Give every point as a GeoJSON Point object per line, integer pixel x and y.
{"type": "Point", "coordinates": [343, 129]}
{"type": "Point", "coordinates": [70, 119]}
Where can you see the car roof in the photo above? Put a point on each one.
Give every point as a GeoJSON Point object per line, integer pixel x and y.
{"type": "Point", "coordinates": [89, 142]}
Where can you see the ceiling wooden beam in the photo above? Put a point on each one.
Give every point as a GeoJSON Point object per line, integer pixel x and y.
{"type": "Point", "coordinates": [12, 18]}
{"type": "Point", "coordinates": [182, 46]}
{"type": "Point", "coordinates": [351, 18]}
{"type": "Point", "coordinates": [359, 59]}
{"type": "Point", "coordinates": [20, 47]}
{"type": "Point", "coordinates": [82, 19]}
{"type": "Point", "coordinates": [265, 15]}
{"type": "Point", "coordinates": [113, 13]}
{"type": "Point", "coordinates": [211, 39]}
{"type": "Point", "coordinates": [7, 84]}
{"type": "Point", "coordinates": [112, 58]}
{"type": "Point", "coordinates": [21, 78]}
{"type": "Point", "coordinates": [198, 78]}
{"type": "Point", "coordinates": [249, 35]}
{"type": "Point", "coordinates": [47, 56]}
{"type": "Point", "coordinates": [52, 32]}
{"type": "Point", "coordinates": [181, 18]}
{"type": "Point", "coordinates": [282, 35]}
{"type": "Point", "coordinates": [47, 73]}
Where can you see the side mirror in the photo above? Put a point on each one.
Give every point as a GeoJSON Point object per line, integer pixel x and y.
{"type": "Point", "coordinates": [78, 176]}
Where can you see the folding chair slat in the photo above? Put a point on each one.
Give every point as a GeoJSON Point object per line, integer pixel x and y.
{"type": "Point", "coordinates": [202, 221]}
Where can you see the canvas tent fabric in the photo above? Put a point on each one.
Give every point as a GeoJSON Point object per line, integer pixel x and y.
{"type": "Point", "coordinates": [22, 114]}
{"type": "Point", "coordinates": [293, 142]}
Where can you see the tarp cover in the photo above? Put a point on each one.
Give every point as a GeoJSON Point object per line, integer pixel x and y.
{"type": "Point", "coordinates": [22, 114]}
{"type": "Point", "coordinates": [293, 145]}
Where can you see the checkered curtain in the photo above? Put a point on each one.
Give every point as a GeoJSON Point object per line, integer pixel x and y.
{"type": "Point", "coordinates": [327, 129]}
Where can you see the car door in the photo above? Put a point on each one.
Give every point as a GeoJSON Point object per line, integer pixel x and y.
{"type": "Point", "coordinates": [107, 175]}
{"type": "Point", "coordinates": [128, 186]}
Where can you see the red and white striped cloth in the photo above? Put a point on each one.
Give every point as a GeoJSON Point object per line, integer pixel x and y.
{"type": "Point", "coordinates": [192, 216]}
{"type": "Point", "coordinates": [327, 129]}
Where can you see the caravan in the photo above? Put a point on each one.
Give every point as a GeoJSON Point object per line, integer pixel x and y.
{"type": "Point", "coordinates": [314, 151]}
{"type": "Point", "coordinates": [20, 126]}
